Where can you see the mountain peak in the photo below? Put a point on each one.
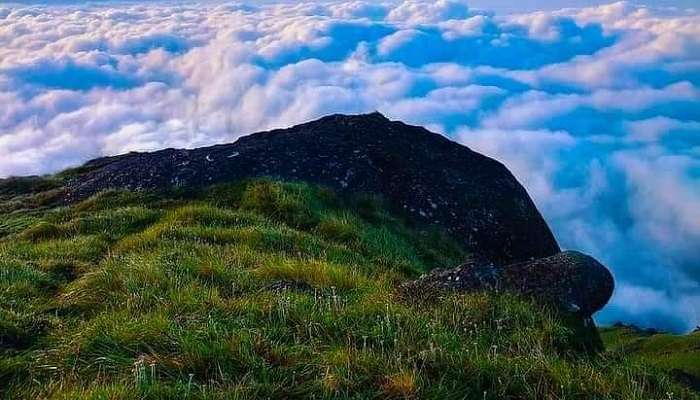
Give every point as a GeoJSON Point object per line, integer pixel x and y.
{"type": "Point", "coordinates": [372, 119]}
{"type": "Point", "coordinates": [374, 116]}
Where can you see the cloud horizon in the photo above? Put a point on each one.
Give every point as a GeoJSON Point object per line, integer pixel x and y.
{"type": "Point", "coordinates": [596, 110]}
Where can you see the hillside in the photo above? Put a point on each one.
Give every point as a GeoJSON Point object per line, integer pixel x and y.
{"type": "Point", "coordinates": [264, 289]}
{"type": "Point", "coordinates": [348, 257]}
{"type": "Point", "coordinates": [677, 354]}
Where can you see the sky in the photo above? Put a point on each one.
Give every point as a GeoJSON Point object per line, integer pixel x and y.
{"type": "Point", "coordinates": [595, 107]}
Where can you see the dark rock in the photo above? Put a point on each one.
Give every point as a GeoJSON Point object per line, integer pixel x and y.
{"type": "Point", "coordinates": [574, 281]}
{"type": "Point", "coordinates": [429, 178]}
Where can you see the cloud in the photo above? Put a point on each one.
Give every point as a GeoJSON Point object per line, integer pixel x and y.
{"type": "Point", "coordinates": [652, 308]}
{"type": "Point", "coordinates": [664, 129]}
{"type": "Point", "coordinates": [596, 110]}
{"type": "Point", "coordinates": [482, 40]}
{"type": "Point", "coordinates": [422, 12]}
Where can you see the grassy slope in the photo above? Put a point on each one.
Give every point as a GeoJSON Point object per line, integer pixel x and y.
{"type": "Point", "coordinates": [667, 351]}
{"type": "Point", "coordinates": [267, 289]}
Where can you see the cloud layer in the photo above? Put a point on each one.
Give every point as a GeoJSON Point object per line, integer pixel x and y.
{"type": "Point", "coordinates": [596, 110]}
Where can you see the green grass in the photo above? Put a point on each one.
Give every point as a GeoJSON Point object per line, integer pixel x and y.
{"type": "Point", "coordinates": [667, 351]}
{"type": "Point", "coordinates": [265, 289]}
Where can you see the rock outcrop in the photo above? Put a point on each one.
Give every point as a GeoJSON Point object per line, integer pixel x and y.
{"type": "Point", "coordinates": [429, 178]}
{"type": "Point", "coordinates": [572, 280]}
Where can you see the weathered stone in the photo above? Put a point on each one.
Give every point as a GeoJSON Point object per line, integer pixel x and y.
{"type": "Point", "coordinates": [575, 281]}
{"type": "Point", "coordinates": [429, 178]}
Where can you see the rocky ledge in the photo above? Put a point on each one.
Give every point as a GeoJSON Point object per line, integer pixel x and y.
{"type": "Point", "coordinates": [423, 175]}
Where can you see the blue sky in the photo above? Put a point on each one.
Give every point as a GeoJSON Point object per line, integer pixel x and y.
{"type": "Point", "coordinates": [595, 108]}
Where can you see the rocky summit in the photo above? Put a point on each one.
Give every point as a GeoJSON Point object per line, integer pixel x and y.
{"type": "Point", "coordinates": [425, 176]}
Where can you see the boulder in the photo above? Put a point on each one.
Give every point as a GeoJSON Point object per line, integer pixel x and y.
{"type": "Point", "coordinates": [572, 280]}
{"type": "Point", "coordinates": [423, 175]}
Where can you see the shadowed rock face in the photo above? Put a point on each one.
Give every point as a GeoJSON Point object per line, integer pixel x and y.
{"type": "Point", "coordinates": [424, 175]}
{"type": "Point", "coordinates": [575, 281]}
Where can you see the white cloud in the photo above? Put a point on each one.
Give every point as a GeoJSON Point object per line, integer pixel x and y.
{"type": "Point", "coordinates": [425, 12]}
{"type": "Point", "coordinates": [665, 199]}
{"type": "Point", "coordinates": [442, 103]}
{"type": "Point", "coordinates": [395, 41]}
{"type": "Point", "coordinates": [658, 128]}
{"type": "Point", "coordinates": [596, 110]}
{"type": "Point", "coordinates": [535, 108]}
